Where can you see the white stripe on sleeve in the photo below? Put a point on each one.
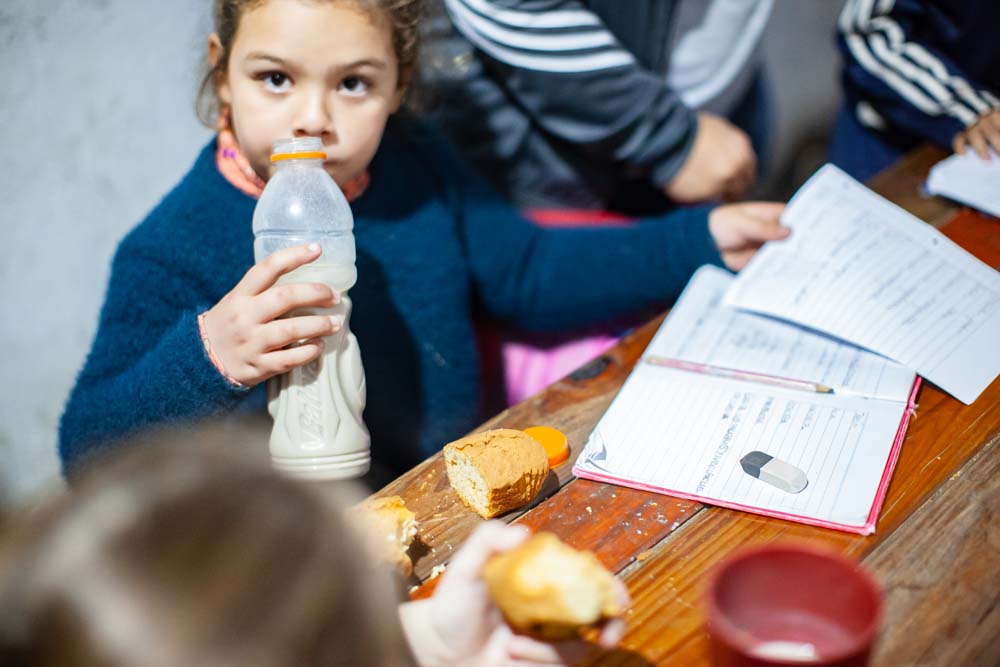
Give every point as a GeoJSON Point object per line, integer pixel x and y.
{"type": "Point", "coordinates": [527, 40]}
{"type": "Point", "coordinates": [945, 99]}
{"type": "Point", "coordinates": [859, 49]}
{"type": "Point", "coordinates": [907, 67]}
{"type": "Point", "coordinates": [563, 18]}
{"type": "Point", "coordinates": [920, 55]}
{"type": "Point", "coordinates": [605, 58]}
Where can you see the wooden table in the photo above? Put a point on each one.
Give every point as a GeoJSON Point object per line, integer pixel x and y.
{"type": "Point", "coordinates": [936, 550]}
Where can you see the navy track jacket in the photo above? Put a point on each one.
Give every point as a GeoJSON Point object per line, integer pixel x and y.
{"type": "Point", "coordinates": [920, 70]}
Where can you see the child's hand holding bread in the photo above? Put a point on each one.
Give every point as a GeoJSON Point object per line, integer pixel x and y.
{"type": "Point", "coordinates": [550, 590]}
{"type": "Point", "coordinates": [461, 623]}
{"type": "Point", "coordinates": [507, 598]}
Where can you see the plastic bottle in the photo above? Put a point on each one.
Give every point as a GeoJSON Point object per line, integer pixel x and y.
{"type": "Point", "coordinates": [318, 430]}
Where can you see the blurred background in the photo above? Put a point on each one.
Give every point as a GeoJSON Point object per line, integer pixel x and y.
{"type": "Point", "coordinates": [98, 124]}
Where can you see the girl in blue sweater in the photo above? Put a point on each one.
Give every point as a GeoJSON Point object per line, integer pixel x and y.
{"type": "Point", "coordinates": [190, 327]}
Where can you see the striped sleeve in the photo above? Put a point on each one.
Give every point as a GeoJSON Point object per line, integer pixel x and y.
{"type": "Point", "coordinates": [563, 68]}
{"type": "Point", "coordinates": [898, 81]}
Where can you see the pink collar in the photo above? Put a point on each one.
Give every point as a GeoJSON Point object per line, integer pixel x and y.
{"type": "Point", "coordinates": [236, 169]}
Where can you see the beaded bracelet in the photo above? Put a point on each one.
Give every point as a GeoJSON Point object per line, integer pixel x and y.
{"type": "Point", "coordinates": [212, 356]}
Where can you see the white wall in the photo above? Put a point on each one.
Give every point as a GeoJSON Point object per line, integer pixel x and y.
{"type": "Point", "coordinates": [804, 65]}
{"type": "Point", "coordinates": [98, 123]}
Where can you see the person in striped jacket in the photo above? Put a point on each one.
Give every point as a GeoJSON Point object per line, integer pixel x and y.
{"type": "Point", "coordinates": [567, 107]}
{"type": "Point", "coordinates": [916, 71]}
{"type": "Point", "coordinates": [602, 104]}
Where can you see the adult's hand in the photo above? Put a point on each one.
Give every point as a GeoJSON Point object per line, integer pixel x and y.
{"type": "Point", "coordinates": [721, 164]}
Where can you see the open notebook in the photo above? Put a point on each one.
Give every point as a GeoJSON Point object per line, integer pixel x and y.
{"type": "Point", "coordinates": [858, 267]}
{"type": "Point", "coordinates": [683, 433]}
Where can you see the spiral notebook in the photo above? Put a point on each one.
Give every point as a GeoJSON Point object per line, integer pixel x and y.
{"type": "Point", "coordinates": [683, 432]}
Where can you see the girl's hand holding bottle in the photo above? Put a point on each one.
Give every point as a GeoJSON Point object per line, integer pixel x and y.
{"type": "Point", "coordinates": [245, 331]}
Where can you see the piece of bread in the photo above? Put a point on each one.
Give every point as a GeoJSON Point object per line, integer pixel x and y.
{"type": "Point", "coordinates": [496, 471]}
{"type": "Point", "coordinates": [550, 590]}
{"type": "Point", "coordinates": [390, 528]}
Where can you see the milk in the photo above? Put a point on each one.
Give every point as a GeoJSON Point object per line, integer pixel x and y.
{"type": "Point", "coordinates": [318, 432]}
{"type": "Point", "coordinates": [318, 429]}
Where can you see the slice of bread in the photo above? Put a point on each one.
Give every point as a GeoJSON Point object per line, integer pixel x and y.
{"type": "Point", "coordinates": [390, 528]}
{"type": "Point", "coordinates": [496, 471]}
{"type": "Point", "coordinates": [550, 590]}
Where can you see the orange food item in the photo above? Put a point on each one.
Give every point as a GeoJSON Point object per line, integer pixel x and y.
{"type": "Point", "coordinates": [553, 440]}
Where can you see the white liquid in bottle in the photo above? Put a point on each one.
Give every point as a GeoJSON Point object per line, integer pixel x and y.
{"type": "Point", "coordinates": [318, 429]}
{"type": "Point", "coordinates": [317, 408]}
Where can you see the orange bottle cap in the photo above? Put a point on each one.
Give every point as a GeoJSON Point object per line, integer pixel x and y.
{"type": "Point", "coordinates": [301, 155]}
{"type": "Point", "coordinates": [553, 440]}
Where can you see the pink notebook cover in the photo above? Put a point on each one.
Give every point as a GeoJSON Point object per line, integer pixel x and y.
{"type": "Point", "coordinates": [867, 528]}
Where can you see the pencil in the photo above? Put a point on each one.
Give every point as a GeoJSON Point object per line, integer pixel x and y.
{"type": "Point", "coordinates": [749, 376]}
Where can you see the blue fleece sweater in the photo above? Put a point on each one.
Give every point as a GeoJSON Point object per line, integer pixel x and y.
{"type": "Point", "coordinates": [432, 241]}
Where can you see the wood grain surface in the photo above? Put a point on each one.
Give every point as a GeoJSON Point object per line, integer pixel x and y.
{"type": "Point", "coordinates": [936, 550]}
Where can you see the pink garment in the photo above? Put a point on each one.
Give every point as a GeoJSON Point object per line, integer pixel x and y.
{"type": "Point", "coordinates": [235, 167]}
{"type": "Point", "coordinates": [528, 368]}
{"type": "Point", "coordinates": [529, 365]}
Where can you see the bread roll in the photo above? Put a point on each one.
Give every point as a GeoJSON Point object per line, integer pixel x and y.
{"type": "Point", "coordinates": [496, 471]}
{"type": "Point", "coordinates": [550, 590]}
{"type": "Point", "coordinates": [390, 528]}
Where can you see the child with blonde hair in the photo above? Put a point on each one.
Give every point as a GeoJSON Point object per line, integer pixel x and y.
{"type": "Point", "coordinates": [192, 553]}
{"type": "Point", "coordinates": [191, 327]}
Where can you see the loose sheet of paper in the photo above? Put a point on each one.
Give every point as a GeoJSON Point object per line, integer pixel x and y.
{"type": "Point", "coordinates": [684, 433]}
{"type": "Point", "coordinates": [701, 330]}
{"type": "Point", "coordinates": [862, 269]}
{"type": "Point", "coordinates": [968, 179]}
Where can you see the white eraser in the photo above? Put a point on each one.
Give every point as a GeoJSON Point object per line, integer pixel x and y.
{"type": "Point", "coordinates": [774, 471]}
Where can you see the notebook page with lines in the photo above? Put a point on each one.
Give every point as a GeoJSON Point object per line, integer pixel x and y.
{"type": "Point", "coordinates": [683, 434]}
{"type": "Point", "coordinates": [860, 268]}
{"type": "Point", "coordinates": [701, 330]}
